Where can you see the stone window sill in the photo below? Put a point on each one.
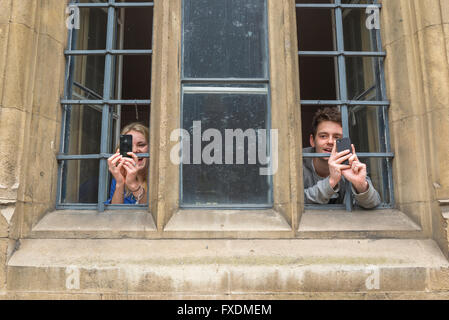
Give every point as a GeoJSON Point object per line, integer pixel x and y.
{"type": "Point", "coordinates": [93, 224]}
{"type": "Point", "coordinates": [227, 220]}
{"type": "Point", "coordinates": [72, 224]}
{"type": "Point", "coordinates": [339, 223]}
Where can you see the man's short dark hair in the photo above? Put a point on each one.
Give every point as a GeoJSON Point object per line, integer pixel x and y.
{"type": "Point", "coordinates": [325, 114]}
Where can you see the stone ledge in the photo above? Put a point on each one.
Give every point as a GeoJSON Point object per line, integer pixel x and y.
{"type": "Point", "coordinates": [419, 295]}
{"type": "Point", "coordinates": [227, 220]}
{"type": "Point", "coordinates": [234, 224]}
{"type": "Point", "coordinates": [86, 223]}
{"type": "Point", "coordinates": [368, 223]}
{"type": "Point", "coordinates": [225, 267]}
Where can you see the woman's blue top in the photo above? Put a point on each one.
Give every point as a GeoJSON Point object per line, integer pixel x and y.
{"type": "Point", "coordinates": [127, 200]}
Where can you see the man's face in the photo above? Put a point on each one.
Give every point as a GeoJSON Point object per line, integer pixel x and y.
{"type": "Point", "coordinates": [326, 135]}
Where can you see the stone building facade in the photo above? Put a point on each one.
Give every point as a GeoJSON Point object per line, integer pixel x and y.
{"type": "Point", "coordinates": [162, 251]}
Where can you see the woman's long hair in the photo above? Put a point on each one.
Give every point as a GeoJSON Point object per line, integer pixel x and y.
{"type": "Point", "coordinates": [139, 127]}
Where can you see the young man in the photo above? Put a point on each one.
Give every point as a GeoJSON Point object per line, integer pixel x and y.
{"type": "Point", "coordinates": [324, 178]}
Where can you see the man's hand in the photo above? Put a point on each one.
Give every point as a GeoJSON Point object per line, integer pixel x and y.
{"type": "Point", "coordinates": [356, 174]}
{"type": "Point", "coordinates": [335, 165]}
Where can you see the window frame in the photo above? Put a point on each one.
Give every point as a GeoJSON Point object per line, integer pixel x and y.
{"type": "Point", "coordinates": [112, 7]}
{"type": "Point", "coordinates": [221, 82]}
{"type": "Point", "coordinates": [343, 102]}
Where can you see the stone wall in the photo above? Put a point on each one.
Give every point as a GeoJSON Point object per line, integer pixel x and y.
{"type": "Point", "coordinates": [417, 73]}
{"type": "Point", "coordinates": [32, 43]}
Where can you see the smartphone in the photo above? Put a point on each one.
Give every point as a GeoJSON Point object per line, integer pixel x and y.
{"type": "Point", "coordinates": [126, 145]}
{"type": "Point", "coordinates": [344, 144]}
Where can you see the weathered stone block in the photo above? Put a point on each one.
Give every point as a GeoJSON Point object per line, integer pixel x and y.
{"type": "Point", "coordinates": [40, 159]}
{"type": "Point", "coordinates": [5, 13]}
{"type": "Point", "coordinates": [11, 131]}
{"type": "Point", "coordinates": [438, 120]}
{"type": "Point", "coordinates": [446, 35]}
{"type": "Point", "coordinates": [19, 70]}
{"type": "Point", "coordinates": [25, 13]}
{"type": "Point", "coordinates": [3, 255]}
{"type": "Point", "coordinates": [53, 20]}
{"type": "Point", "coordinates": [428, 13]}
{"type": "Point", "coordinates": [444, 11]}
{"type": "Point", "coordinates": [394, 24]}
{"type": "Point", "coordinates": [434, 68]}
{"type": "Point", "coordinates": [407, 138]}
{"type": "Point", "coordinates": [439, 279]}
{"type": "Point", "coordinates": [402, 78]}
{"type": "Point", "coordinates": [32, 212]}
{"type": "Point", "coordinates": [48, 87]}
{"type": "Point", "coordinates": [4, 30]}
{"type": "Point", "coordinates": [6, 214]}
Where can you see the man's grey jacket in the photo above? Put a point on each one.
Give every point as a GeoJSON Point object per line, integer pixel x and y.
{"type": "Point", "coordinates": [317, 190]}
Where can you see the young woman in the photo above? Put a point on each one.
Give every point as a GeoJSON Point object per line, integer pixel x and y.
{"type": "Point", "coordinates": [129, 183]}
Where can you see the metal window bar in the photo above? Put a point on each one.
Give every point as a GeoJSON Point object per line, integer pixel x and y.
{"type": "Point", "coordinates": [114, 52]}
{"type": "Point", "coordinates": [113, 4]}
{"type": "Point", "coordinates": [105, 101]}
{"type": "Point", "coordinates": [338, 5]}
{"type": "Point", "coordinates": [343, 101]}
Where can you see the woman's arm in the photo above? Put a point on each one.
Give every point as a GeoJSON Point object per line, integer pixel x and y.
{"type": "Point", "coordinates": [119, 194]}
{"type": "Point", "coordinates": [140, 194]}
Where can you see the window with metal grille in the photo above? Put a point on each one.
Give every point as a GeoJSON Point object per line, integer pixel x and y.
{"type": "Point", "coordinates": [341, 64]}
{"type": "Point", "coordinates": [107, 86]}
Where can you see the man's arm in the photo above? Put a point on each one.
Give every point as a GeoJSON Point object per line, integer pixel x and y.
{"type": "Point", "coordinates": [368, 199]}
{"type": "Point", "coordinates": [364, 192]}
{"type": "Point", "coordinates": [320, 193]}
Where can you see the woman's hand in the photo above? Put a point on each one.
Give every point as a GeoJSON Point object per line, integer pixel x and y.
{"type": "Point", "coordinates": [115, 165]}
{"type": "Point", "coordinates": [132, 169]}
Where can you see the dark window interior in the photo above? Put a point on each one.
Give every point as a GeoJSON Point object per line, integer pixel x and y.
{"type": "Point", "coordinates": [136, 82]}
{"type": "Point", "coordinates": [317, 74]}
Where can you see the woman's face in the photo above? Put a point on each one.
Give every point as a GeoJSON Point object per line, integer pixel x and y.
{"type": "Point", "coordinates": [140, 145]}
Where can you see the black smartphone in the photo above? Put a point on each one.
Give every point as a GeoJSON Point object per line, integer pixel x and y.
{"type": "Point", "coordinates": [344, 144]}
{"type": "Point", "coordinates": [126, 145]}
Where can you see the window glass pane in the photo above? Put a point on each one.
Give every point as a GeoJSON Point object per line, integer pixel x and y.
{"type": "Point", "coordinates": [364, 78]}
{"type": "Point", "coordinates": [225, 38]}
{"type": "Point", "coordinates": [357, 1]}
{"type": "Point", "coordinates": [318, 78]}
{"type": "Point", "coordinates": [88, 77]}
{"type": "Point", "coordinates": [225, 184]}
{"type": "Point", "coordinates": [137, 28]}
{"type": "Point", "coordinates": [357, 37]}
{"type": "Point", "coordinates": [314, 1]}
{"type": "Point", "coordinates": [377, 170]}
{"type": "Point", "coordinates": [79, 181]}
{"type": "Point", "coordinates": [321, 21]}
{"type": "Point", "coordinates": [83, 129]}
{"type": "Point", "coordinates": [92, 32]}
{"type": "Point", "coordinates": [367, 128]}
{"type": "Point", "coordinates": [136, 77]}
